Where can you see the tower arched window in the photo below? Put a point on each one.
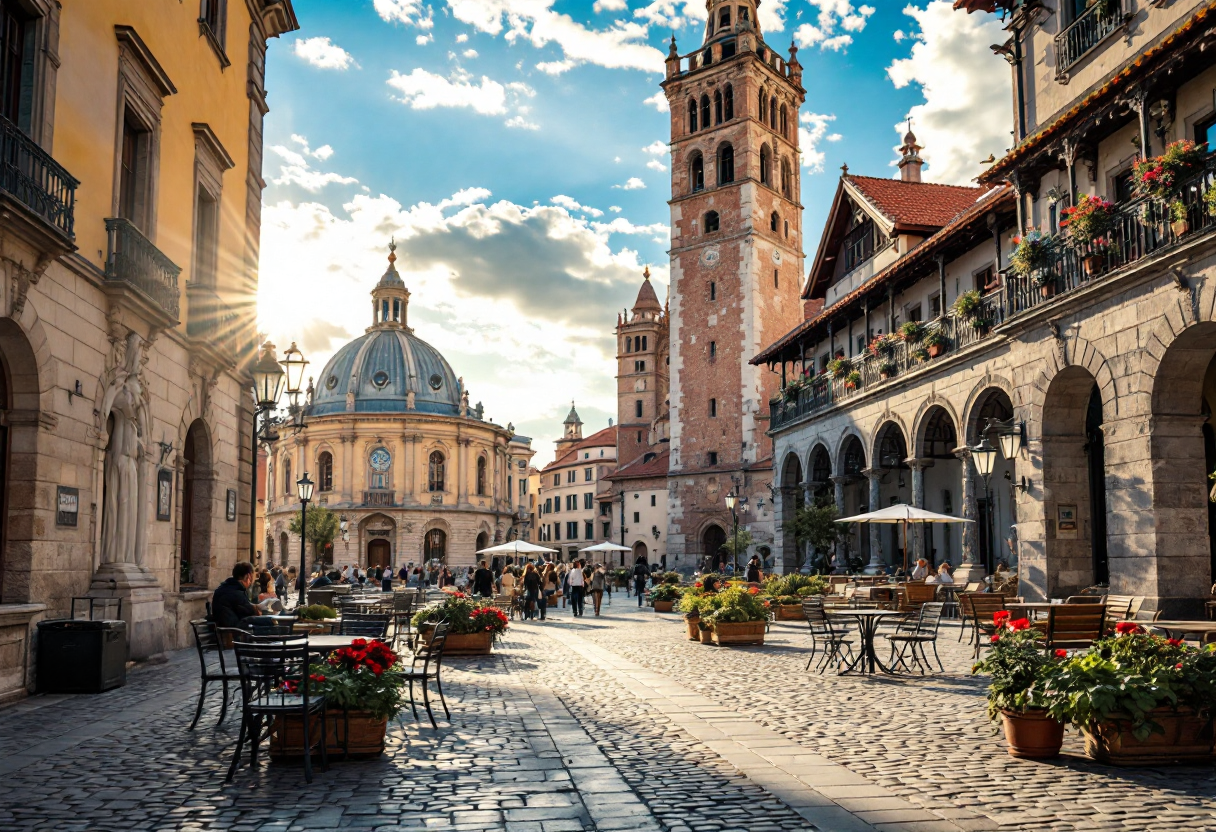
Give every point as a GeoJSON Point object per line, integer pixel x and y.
{"type": "Point", "coordinates": [628, 343]}
{"type": "Point", "coordinates": [435, 471]}
{"type": "Point", "coordinates": [772, 112]}
{"type": "Point", "coordinates": [705, 111]}
{"type": "Point", "coordinates": [772, 221]}
{"type": "Point", "coordinates": [783, 117]}
{"type": "Point", "coordinates": [786, 178]}
{"type": "Point", "coordinates": [765, 164]}
{"type": "Point", "coordinates": [325, 471]}
{"type": "Point", "coordinates": [288, 485]}
{"type": "Point", "coordinates": [760, 108]}
{"type": "Point", "coordinates": [728, 103]}
{"type": "Point", "coordinates": [717, 106]}
{"type": "Point", "coordinates": [692, 115]}
{"type": "Point", "coordinates": [724, 18]}
{"type": "Point", "coordinates": [726, 164]}
{"type": "Point", "coordinates": [481, 476]}
{"type": "Point", "coordinates": [711, 222]}
{"type": "Point", "coordinates": [697, 173]}
{"type": "Point", "coordinates": [743, 14]}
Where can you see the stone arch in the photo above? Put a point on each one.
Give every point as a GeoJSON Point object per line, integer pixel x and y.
{"type": "Point", "coordinates": [1071, 351]}
{"type": "Point", "coordinates": [819, 464]}
{"type": "Point", "coordinates": [923, 414]}
{"type": "Point", "coordinates": [196, 503]}
{"type": "Point", "coordinates": [890, 428]}
{"type": "Point", "coordinates": [20, 416]}
{"type": "Point", "coordinates": [846, 451]}
{"type": "Point", "coordinates": [711, 535]}
{"type": "Point", "coordinates": [436, 546]}
{"type": "Point", "coordinates": [370, 551]}
{"type": "Point", "coordinates": [793, 497]}
{"type": "Point", "coordinates": [968, 425]}
{"type": "Point", "coordinates": [936, 425]}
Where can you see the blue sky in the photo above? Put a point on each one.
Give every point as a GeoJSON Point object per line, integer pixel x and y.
{"type": "Point", "coordinates": [510, 147]}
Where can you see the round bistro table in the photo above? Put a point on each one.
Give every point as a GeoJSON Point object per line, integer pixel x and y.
{"type": "Point", "coordinates": [867, 625]}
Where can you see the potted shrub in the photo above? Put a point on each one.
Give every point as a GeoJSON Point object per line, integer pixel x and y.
{"type": "Point", "coordinates": [1032, 254]}
{"type": "Point", "coordinates": [839, 367]}
{"type": "Point", "coordinates": [882, 345]}
{"type": "Point", "coordinates": [664, 597]}
{"type": "Point", "coordinates": [740, 617]}
{"type": "Point", "coordinates": [966, 304]}
{"type": "Point", "coordinates": [1046, 281]}
{"type": "Point", "coordinates": [314, 618]}
{"type": "Point", "coordinates": [912, 331]}
{"type": "Point", "coordinates": [1018, 669]}
{"type": "Point", "coordinates": [472, 627]}
{"type": "Point", "coordinates": [1138, 698]}
{"type": "Point", "coordinates": [1162, 176]}
{"type": "Point", "coordinates": [364, 687]}
{"type": "Point", "coordinates": [887, 369]}
{"type": "Point", "coordinates": [981, 325]}
{"type": "Point", "coordinates": [1088, 222]}
{"type": "Point", "coordinates": [792, 389]}
{"type": "Point", "coordinates": [852, 381]}
{"type": "Point", "coordinates": [1179, 218]}
{"type": "Point", "coordinates": [921, 355]}
{"type": "Point", "coordinates": [622, 576]}
{"type": "Point", "coordinates": [936, 343]}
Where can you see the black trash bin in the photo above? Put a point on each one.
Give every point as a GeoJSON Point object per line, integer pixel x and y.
{"type": "Point", "coordinates": [78, 656]}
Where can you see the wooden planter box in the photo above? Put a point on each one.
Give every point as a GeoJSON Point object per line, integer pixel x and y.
{"type": "Point", "coordinates": [664, 606]}
{"type": "Point", "coordinates": [311, 627]}
{"type": "Point", "coordinates": [366, 735]}
{"type": "Point", "coordinates": [790, 612]}
{"type": "Point", "coordinates": [749, 632]}
{"type": "Point", "coordinates": [462, 644]}
{"type": "Point", "coordinates": [1188, 738]}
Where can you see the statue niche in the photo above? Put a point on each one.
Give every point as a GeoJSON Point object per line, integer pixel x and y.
{"type": "Point", "coordinates": [124, 412]}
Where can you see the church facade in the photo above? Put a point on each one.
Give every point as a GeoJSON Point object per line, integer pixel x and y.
{"type": "Point", "coordinates": [398, 452]}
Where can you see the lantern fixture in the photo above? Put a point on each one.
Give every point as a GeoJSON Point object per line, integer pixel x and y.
{"type": "Point", "coordinates": [731, 499]}
{"type": "Point", "coordinates": [268, 378]}
{"type": "Point", "coordinates": [984, 457]}
{"type": "Point", "coordinates": [304, 488]}
{"type": "Point", "coordinates": [294, 362]}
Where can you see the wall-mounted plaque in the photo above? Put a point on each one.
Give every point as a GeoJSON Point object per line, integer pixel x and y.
{"type": "Point", "coordinates": [67, 510]}
{"type": "Point", "coordinates": [1066, 522]}
{"type": "Point", "coordinates": [164, 493]}
{"type": "Point", "coordinates": [230, 513]}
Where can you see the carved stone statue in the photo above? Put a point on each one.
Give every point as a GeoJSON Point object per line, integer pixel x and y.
{"type": "Point", "coordinates": [409, 400]}
{"type": "Point", "coordinates": [464, 402]}
{"type": "Point", "coordinates": [120, 517]}
{"type": "Point", "coordinates": [479, 410]}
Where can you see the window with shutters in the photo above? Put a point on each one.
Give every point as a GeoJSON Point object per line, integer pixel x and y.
{"type": "Point", "coordinates": [19, 51]}
{"type": "Point", "coordinates": [588, 530]}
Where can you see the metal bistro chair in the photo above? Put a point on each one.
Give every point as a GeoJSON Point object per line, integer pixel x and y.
{"type": "Point", "coordinates": [1073, 626]}
{"type": "Point", "coordinates": [836, 643]}
{"type": "Point", "coordinates": [264, 667]}
{"type": "Point", "coordinates": [367, 624]}
{"type": "Point", "coordinates": [430, 654]}
{"type": "Point", "coordinates": [913, 638]}
{"type": "Point", "coordinates": [213, 665]}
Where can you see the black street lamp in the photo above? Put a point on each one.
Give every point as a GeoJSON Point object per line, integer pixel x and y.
{"type": "Point", "coordinates": [304, 492]}
{"type": "Point", "coordinates": [984, 456]}
{"type": "Point", "coordinates": [268, 381]}
{"type": "Point", "coordinates": [732, 500]}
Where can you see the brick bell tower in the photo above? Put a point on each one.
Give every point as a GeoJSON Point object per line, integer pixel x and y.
{"type": "Point", "coordinates": [736, 271]}
{"type": "Point", "coordinates": [641, 374]}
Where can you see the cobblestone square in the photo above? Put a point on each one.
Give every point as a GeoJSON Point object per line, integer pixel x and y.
{"type": "Point", "coordinates": [601, 724]}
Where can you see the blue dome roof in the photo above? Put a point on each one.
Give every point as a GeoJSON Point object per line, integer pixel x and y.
{"type": "Point", "coordinates": [381, 368]}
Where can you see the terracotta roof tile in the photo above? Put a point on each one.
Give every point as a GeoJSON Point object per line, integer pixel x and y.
{"type": "Point", "coordinates": [921, 204]}
{"type": "Point", "coordinates": [607, 436]}
{"type": "Point", "coordinates": [637, 469]}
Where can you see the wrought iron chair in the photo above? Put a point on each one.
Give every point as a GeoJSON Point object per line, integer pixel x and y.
{"type": "Point", "coordinates": [264, 668]}
{"type": "Point", "coordinates": [836, 642]}
{"type": "Point", "coordinates": [912, 639]}
{"type": "Point", "coordinates": [367, 624]}
{"type": "Point", "coordinates": [213, 666]}
{"type": "Point", "coordinates": [430, 654]}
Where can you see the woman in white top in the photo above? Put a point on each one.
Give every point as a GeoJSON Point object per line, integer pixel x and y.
{"type": "Point", "coordinates": [921, 570]}
{"type": "Point", "coordinates": [943, 573]}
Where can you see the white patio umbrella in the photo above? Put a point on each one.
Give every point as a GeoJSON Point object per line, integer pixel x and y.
{"type": "Point", "coordinates": [515, 547]}
{"type": "Point", "coordinates": [606, 547]}
{"type": "Point", "coordinates": [902, 513]}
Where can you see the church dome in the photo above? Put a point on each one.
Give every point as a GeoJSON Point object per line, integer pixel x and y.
{"type": "Point", "coordinates": [388, 369]}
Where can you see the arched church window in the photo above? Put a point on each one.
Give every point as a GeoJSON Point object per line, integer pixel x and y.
{"type": "Point", "coordinates": [325, 471]}
{"type": "Point", "coordinates": [783, 117]}
{"type": "Point", "coordinates": [435, 472]}
{"type": "Point", "coordinates": [704, 110]}
{"type": "Point", "coordinates": [785, 178]}
{"type": "Point", "coordinates": [692, 115]}
{"type": "Point", "coordinates": [772, 112]}
{"type": "Point", "coordinates": [697, 174]}
{"type": "Point", "coordinates": [726, 164]}
{"type": "Point", "coordinates": [481, 476]}
{"type": "Point", "coordinates": [772, 221]}
{"type": "Point", "coordinates": [711, 222]}
{"type": "Point", "coordinates": [728, 103]}
{"type": "Point", "coordinates": [717, 106]}
{"type": "Point", "coordinates": [764, 165]}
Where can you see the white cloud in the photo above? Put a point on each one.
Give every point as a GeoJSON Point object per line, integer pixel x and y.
{"type": "Point", "coordinates": [835, 18]}
{"type": "Point", "coordinates": [616, 209]}
{"type": "Point", "coordinates": [672, 14]}
{"type": "Point", "coordinates": [409, 12]}
{"type": "Point", "coordinates": [323, 53]}
{"type": "Point", "coordinates": [555, 67]}
{"type": "Point", "coordinates": [610, 6]}
{"type": "Point", "coordinates": [462, 38]}
{"type": "Point", "coordinates": [772, 16]}
{"type": "Point", "coordinates": [659, 232]}
{"type": "Point", "coordinates": [899, 35]}
{"type": "Point", "coordinates": [632, 184]}
{"type": "Point", "coordinates": [655, 164]}
{"type": "Point", "coordinates": [658, 101]}
{"type": "Point", "coordinates": [469, 53]}
{"type": "Point", "coordinates": [423, 40]}
{"type": "Point", "coordinates": [965, 116]}
{"type": "Point", "coordinates": [656, 148]}
{"type": "Point", "coordinates": [812, 130]}
{"type": "Point", "coordinates": [571, 204]}
{"type": "Point", "coordinates": [297, 168]}
{"type": "Point", "coordinates": [521, 123]}
{"type": "Point", "coordinates": [422, 90]}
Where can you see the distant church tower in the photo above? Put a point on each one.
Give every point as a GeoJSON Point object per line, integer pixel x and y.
{"type": "Point", "coordinates": [736, 270]}
{"type": "Point", "coordinates": [572, 433]}
{"type": "Point", "coordinates": [641, 375]}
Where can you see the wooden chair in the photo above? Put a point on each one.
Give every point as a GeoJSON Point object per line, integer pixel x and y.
{"type": "Point", "coordinates": [1083, 599]}
{"type": "Point", "coordinates": [367, 624]}
{"type": "Point", "coordinates": [1073, 626]}
{"type": "Point", "coordinates": [213, 666]}
{"type": "Point", "coordinates": [915, 595]}
{"type": "Point", "coordinates": [979, 608]}
{"type": "Point", "coordinates": [1118, 608]}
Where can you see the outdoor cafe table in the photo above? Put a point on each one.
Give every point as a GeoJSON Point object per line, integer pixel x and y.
{"type": "Point", "coordinates": [1181, 629]}
{"type": "Point", "coordinates": [328, 644]}
{"type": "Point", "coordinates": [1031, 606]}
{"type": "Point", "coordinates": [867, 627]}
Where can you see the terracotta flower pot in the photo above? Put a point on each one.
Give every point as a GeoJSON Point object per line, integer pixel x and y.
{"type": "Point", "coordinates": [1033, 734]}
{"type": "Point", "coordinates": [747, 632]}
{"type": "Point", "coordinates": [935, 350]}
{"type": "Point", "coordinates": [706, 636]}
{"type": "Point", "coordinates": [694, 625]}
{"type": "Point", "coordinates": [664, 606]}
{"type": "Point", "coordinates": [1047, 289]}
{"type": "Point", "coordinates": [1094, 264]}
{"type": "Point", "coordinates": [1180, 227]}
{"type": "Point", "coordinates": [1187, 738]}
{"type": "Point", "coordinates": [366, 737]}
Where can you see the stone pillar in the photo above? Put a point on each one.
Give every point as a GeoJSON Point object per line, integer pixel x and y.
{"type": "Point", "coordinates": [970, 569]}
{"type": "Point", "coordinates": [462, 474]}
{"type": "Point", "coordinates": [409, 443]}
{"type": "Point", "coordinates": [838, 484]}
{"type": "Point", "coordinates": [917, 531]}
{"type": "Point", "coordinates": [875, 566]}
{"type": "Point", "coordinates": [347, 462]}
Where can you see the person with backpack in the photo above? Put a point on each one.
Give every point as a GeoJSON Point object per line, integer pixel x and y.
{"type": "Point", "coordinates": [640, 573]}
{"type": "Point", "coordinates": [532, 590]}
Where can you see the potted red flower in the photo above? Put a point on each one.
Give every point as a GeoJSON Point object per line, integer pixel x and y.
{"type": "Point", "coordinates": [472, 626]}
{"type": "Point", "coordinates": [1087, 223]}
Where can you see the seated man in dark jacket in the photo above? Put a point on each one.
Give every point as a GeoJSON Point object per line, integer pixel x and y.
{"type": "Point", "coordinates": [322, 580]}
{"type": "Point", "coordinates": [230, 604]}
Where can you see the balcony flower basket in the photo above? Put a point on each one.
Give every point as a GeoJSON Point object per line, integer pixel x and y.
{"type": "Point", "coordinates": [793, 388]}
{"type": "Point", "coordinates": [936, 343]}
{"type": "Point", "coordinates": [1032, 253]}
{"type": "Point", "coordinates": [839, 367]}
{"type": "Point", "coordinates": [883, 345]}
{"type": "Point", "coordinates": [967, 304]}
{"type": "Point", "coordinates": [1091, 219]}
{"type": "Point", "coordinates": [1162, 176]}
{"type": "Point", "coordinates": [740, 617]}
{"type": "Point", "coordinates": [912, 331]}
{"type": "Point", "coordinates": [1018, 669]}
{"type": "Point", "coordinates": [472, 627]}
{"type": "Point", "coordinates": [921, 355]}
{"type": "Point", "coordinates": [887, 369]}
{"type": "Point", "coordinates": [664, 597]}
{"type": "Point", "coordinates": [1209, 201]}
{"type": "Point", "coordinates": [981, 325]}
{"type": "Point", "coordinates": [364, 688]}
{"type": "Point", "coordinates": [852, 381]}
{"type": "Point", "coordinates": [1138, 699]}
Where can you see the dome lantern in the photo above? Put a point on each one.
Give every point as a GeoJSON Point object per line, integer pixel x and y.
{"type": "Point", "coordinates": [390, 298]}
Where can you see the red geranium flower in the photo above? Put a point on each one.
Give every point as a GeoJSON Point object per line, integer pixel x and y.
{"type": "Point", "coordinates": [1061, 654]}
{"type": "Point", "coordinates": [1174, 642]}
{"type": "Point", "coordinates": [995, 638]}
{"type": "Point", "coordinates": [752, 590]}
{"type": "Point", "coordinates": [1019, 624]}
{"type": "Point", "coordinates": [1126, 627]}
{"type": "Point", "coordinates": [1000, 617]}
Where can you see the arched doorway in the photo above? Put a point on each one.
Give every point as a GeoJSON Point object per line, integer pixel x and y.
{"type": "Point", "coordinates": [1074, 483]}
{"type": "Point", "coordinates": [379, 553]}
{"type": "Point", "coordinates": [941, 486]}
{"type": "Point", "coordinates": [792, 499]}
{"type": "Point", "coordinates": [19, 445]}
{"type": "Point", "coordinates": [640, 551]}
{"type": "Point", "coordinates": [435, 545]}
{"type": "Point", "coordinates": [712, 541]}
{"type": "Point", "coordinates": [483, 542]}
{"type": "Point", "coordinates": [887, 542]}
{"type": "Point", "coordinates": [855, 499]}
{"type": "Point", "coordinates": [196, 506]}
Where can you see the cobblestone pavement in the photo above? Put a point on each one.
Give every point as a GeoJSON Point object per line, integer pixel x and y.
{"type": "Point", "coordinates": [600, 724]}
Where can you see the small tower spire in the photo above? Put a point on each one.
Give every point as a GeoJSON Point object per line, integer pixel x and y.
{"type": "Point", "coordinates": [910, 162]}
{"type": "Point", "coordinates": [390, 298]}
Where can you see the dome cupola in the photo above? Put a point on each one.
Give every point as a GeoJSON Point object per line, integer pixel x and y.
{"type": "Point", "coordinates": [390, 298]}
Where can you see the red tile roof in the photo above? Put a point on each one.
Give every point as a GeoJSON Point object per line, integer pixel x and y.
{"type": "Point", "coordinates": [638, 469]}
{"type": "Point", "coordinates": [607, 436]}
{"type": "Point", "coordinates": [917, 204]}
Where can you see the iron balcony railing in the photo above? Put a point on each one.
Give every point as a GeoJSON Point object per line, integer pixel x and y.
{"type": "Point", "coordinates": [379, 499]}
{"type": "Point", "coordinates": [37, 181]}
{"type": "Point", "coordinates": [134, 260]}
{"type": "Point", "coordinates": [1142, 227]}
{"type": "Point", "coordinates": [1090, 28]}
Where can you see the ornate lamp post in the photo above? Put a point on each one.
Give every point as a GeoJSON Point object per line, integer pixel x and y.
{"type": "Point", "coordinates": [983, 456]}
{"type": "Point", "coordinates": [268, 381]}
{"type": "Point", "coordinates": [732, 500]}
{"type": "Point", "coordinates": [304, 492]}
{"type": "Point", "coordinates": [294, 362]}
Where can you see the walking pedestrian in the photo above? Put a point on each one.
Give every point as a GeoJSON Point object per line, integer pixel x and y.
{"type": "Point", "coordinates": [532, 593]}
{"type": "Point", "coordinates": [576, 580]}
{"type": "Point", "coordinates": [640, 573]}
{"type": "Point", "coordinates": [386, 579]}
{"type": "Point", "coordinates": [483, 581]}
{"type": "Point", "coordinates": [754, 573]}
{"type": "Point", "coordinates": [549, 588]}
{"type": "Point", "coordinates": [598, 579]}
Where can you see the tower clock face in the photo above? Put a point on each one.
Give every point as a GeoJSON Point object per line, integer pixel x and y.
{"type": "Point", "coordinates": [380, 460]}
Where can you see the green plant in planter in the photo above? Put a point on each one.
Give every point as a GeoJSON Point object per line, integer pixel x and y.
{"type": "Point", "coordinates": [1178, 211]}
{"type": "Point", "coordinates": [1209, 201]}
{"type": "Point", "coordinates": [671, 577]}
{"type": "Point", "coordinates": [980, 323]}
{"type": "Point", "coordinates": [1162, 177]}
{"type": "Point", "coordinates": [839, 367]}
{"type": "Point", "coordinates": [1018, 668]}
{"type": "Point", "coordinates": [883, 345]}
{"type": "Point", "coordinates": [464, 616]}
{"type": "Point", "coordinates": [1088, 220]}
{"type": "Point", "coordinates": [665, 592]}
{"type": "Point", "coordinates": [795, 585]}
{"type": "Point", "coordinates": [966, 304]}
{"type": "Point", "coordinates": [936, 339]}
{"type": "Point", "coordinates": [1032, 252]}
{"type": "Point", "coordinates": [888, 368]}
{"type": "Point", "coordinates": [1128, 676]}
{"type": "Point", "coordinates": [912, 331]}
{"type": "Point", "coordinates": [921, 355]}
{"type": "Point", "coordinates": [738, 605]}
{"type": "Point", "coordinates": [316, 612]}
{"type": "Point", "coordinates": [852, 381]}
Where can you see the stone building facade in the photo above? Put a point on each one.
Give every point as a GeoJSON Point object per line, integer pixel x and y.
{"type": "Point", "coordinates": [130, 247]}
{"type": "Point", "coordinates": [1097, 363]}
{"type": "Point", "coordinates": [397, 450]}
{"type": "Point", "coordinates": [571, 492]}
{"type": "Point", "coordinates": [736, 270]}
